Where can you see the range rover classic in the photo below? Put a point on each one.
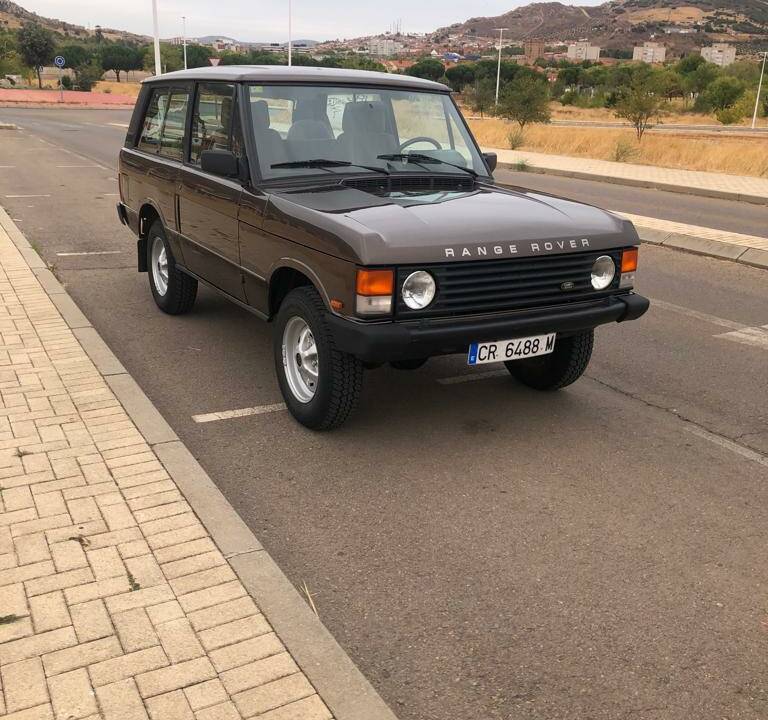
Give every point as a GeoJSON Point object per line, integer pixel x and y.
{"type": "Point", "coordinates": [355, 212]}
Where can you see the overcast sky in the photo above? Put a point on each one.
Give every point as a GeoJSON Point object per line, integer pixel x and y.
{"type": "Point", "coordinates": [255, 20]}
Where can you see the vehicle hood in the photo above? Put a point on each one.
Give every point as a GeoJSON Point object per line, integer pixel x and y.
{"type": "Point", "coordinates": [405, 227]}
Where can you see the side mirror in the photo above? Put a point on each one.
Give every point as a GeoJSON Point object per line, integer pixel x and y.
{"type": "Point", "coordinates": [219, 162]}
{"type": "Point", "coordinates": [491, 159]}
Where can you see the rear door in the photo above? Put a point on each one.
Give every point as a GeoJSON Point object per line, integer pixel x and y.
{"type": "Point", "coordinates": [208, 205]}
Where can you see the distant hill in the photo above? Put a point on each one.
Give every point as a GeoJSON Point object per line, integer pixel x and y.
{"type": "Point", "coordinates": [13, 16]}
{"type": "Point", "coordinates": [621, 23]}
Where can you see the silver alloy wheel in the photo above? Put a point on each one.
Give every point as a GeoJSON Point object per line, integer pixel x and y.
{"type": "Point", "coordinates": [300, 361]}
{"type": "Point", "coordinates": [159, 265]}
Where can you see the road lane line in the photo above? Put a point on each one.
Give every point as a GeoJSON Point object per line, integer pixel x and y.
{"type": "Point", "coordinates": [26, 196]}
{"type": "Point", "coordinates": [94, 252]}
{"type": "Point", "coordinates": [472, 377]}
{"type": "Point", "coordinates": [79, 166]}
{"type": "Point", "coordinates": [120, 125]}
{"type": "Point", "coordinates": [713, 319]}
{"type": "Point", "coordinates": [734, 447]}
{"type": "Point", "coordinates": [243, 412]}
{"type": "Point", "coordinates": [754, 336]}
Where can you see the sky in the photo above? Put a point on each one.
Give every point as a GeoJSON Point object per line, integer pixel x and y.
{"type": "Point", "coordinates": [259, 20]}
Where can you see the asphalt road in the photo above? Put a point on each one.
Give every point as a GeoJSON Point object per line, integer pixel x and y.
{"type": "Point", "coordinates": [480, 550]}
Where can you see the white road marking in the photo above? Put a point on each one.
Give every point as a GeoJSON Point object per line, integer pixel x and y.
{"type": "Point", "coordinates": [78, 166]}
{"type": "Point", "coordinates": [121, 125]}
{"type": "Point", "coordinates": [94, 252]}
{"type": "Point", "coordinates": [734, 447]}
{"type": "Point", "coordinates": [26, 196]}
{"type": "Point", "coordinates": [472, 377]}
{"type": "Point", "coordinates": [754, 336]}
{"type": "Point", "coordinates": [243, 412]}
{"type": "Point", "coordinates": [730, 324]}
{"type": "Point", "coordinates": [7, 167]}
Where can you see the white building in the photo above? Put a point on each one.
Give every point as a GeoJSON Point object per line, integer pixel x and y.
{"type": "Point", "coordinates": [650, 52]}
{"type": "Point", "coordinates": [720, 54]}
{"type": "Point", "coordinates": [384, 47]}
{"type": "Point", "coordinates": [582, 50]}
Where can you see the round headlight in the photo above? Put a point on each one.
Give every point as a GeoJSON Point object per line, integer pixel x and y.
{"type": "Point", "coordinates": [603, 272]}
{"type": "Point", "coordinates": [419, 290]}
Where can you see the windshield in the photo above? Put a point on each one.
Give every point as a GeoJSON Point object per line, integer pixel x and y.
{"type": "Point", "coordinates": [358, 129]}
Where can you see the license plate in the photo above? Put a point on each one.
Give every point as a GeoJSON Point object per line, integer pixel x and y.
{"type": "Point", "coordinates": [516, 349]}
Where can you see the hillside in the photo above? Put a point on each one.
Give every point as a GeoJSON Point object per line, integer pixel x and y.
{"type": "Point", "coordinates": [621, 23]}
{"type": "Point", "coordinates": [13, 16]}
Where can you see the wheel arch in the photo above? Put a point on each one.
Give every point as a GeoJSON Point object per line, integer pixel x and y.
{"type": "Point", "coordinates": [148, 213]}
{"type": "Point", "coordinates": [288, 274]}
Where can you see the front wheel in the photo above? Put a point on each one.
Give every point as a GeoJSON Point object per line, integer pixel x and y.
{"type": "Point", "coordinates": [565, 365]}
{"type": "Point", "coordinates": [174, 291]}
{"type": "Point", "coordinates": [319, 383]}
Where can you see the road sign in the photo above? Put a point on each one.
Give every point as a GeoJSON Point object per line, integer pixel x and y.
{"type": "Point", "coordinates": [59, 61]}
{"type": "Point", "coordinates": [214, 61]}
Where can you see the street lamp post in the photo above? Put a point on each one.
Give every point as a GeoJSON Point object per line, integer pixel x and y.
{"type": "Point", "coordinates": [158, 65]}
{"type": "Point", "coordinates": [290, 35]}
{"type": "Point", "coordinates": [498, 68]}
{"type": "Point", "coordinates": [184, 38]}
{"type": "Point", "coordinates": [759, 91]}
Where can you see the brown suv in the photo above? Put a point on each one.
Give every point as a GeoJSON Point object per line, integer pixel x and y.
{"type": "Point", "coordinates": [356, 212]}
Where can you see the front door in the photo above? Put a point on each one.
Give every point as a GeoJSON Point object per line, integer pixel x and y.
{"type": "Point", "coordinates": [208, 205]}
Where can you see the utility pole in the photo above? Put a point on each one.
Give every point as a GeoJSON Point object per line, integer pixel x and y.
{"type": "Point", "coordinates": [158, 65]}
{"type": "Point", "coordinates": [498, 69]}
{"type": "Point", "coordinates": [290, 36]}
{"type": "Point", "coordinates": [759, 91]}
{"type": "Point", "coordinates": [184, 37]}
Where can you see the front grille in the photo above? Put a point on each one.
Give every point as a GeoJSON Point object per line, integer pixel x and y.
{"type": "Point", "coordinates": [419, 183]}
{"type": "Point", "coordinates": [465, 288]}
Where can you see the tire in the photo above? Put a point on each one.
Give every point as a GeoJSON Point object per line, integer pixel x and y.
{"type": "Point", "coordinates": [178, 295]}
{"type": "Point", "coordinates": [322, 401]}
{"type": "Point", "coordinates": [409, 364]}
{"type": "Point", "coordinates": [561, 368]}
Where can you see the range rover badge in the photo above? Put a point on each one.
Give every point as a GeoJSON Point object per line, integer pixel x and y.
{"type": "Point", "coordinates": [567, 285]}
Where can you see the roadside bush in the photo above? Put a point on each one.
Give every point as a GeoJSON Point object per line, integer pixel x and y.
{"type": "Point", "coordinates": [516, 138]}
{"type": "Point", "coordinates": [66, 82]}
{"type": "Point", "coordinates": [730, 116]}
{"type": "Point", "coordinates": [624, 151]}
{"type": "Point", "coordinates": [88, 74]}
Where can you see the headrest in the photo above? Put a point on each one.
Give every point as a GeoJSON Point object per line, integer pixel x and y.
{"type": "Point", "coordinates": [309, 130]}
{"type": "Point", "coordinates": [260, 111]}
{"type": "Point", "coordinates": [364, 117]}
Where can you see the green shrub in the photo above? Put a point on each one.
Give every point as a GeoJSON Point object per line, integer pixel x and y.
{"type": "Point", "coordinates": [516, 138]}
{"type": "Point", "coordinates": [66, 82]}
{"type": "Point", "coordinates": [730, 116]}
{"type": "Point", "coordinates": [624, 151]}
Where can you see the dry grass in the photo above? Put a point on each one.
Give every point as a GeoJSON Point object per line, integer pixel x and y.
{"type": "Point", "coordinates": [746, 155]}
{"type": "Point", "coordinates": [117, 88]}
{"type": "Point", "coordinates": [673, 115]}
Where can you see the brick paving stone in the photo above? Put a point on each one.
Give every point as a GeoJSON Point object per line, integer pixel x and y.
{"type": "Point", "coordinates": [129, 665]}
{"type": "Point", "coordinates": [17, 498]}
{"type": "Point", "coordinates": [205, 694]}
{"type": "Point", "coordinates": [15, 630]}
{"type": "Point", "coordinates": [184, 550]}
{"type": "Point", "coordinates": [145, 570]}
{"type": "Point", "coordinates": [273, 695]}
{"type": "Point", "coordinates": [58, 581]}
{"type": "Point", "coordinates": [173, 537]}
{"type": "Point", "coordinates": [106, 563]}
{"type": "Point", "coordinates": [155, 500]}
{"type": "Point", "coordinates": [246, 651]}
{"type": "Point", "coordinates": [41, 712]}
{"type": "Point", "coordinates": [165, 524]}
{"type": "Point", "coordinates": [171, 706]}
{"type": "Point", "coordinates": [139, 598]}
{"type": "Point", "coordinates": [24, 684]}
{"type": "Point", "coordinates": [193, 564]}
{"type": "Point", "coordinates": [83, 507]}
{"type": "Point", "coordinates": [50, 503]}
{"type": "Point", "coordinates": [231, 632]}
{"type": "Point", "coordinates": [223, 711]}
{"type": "Point", "coordinates": [179, 640]}
{"type": "Point", "coordinates": [47, 523]}
{"type": "Point", "coordinates": [164, 612]}
{"type": "Point", "coordinates": [202, 580]}
{"type": "Point", "coordinates": [37, 645]}
{"type": "Point", "coordinates": [26, 572]}
{"type": "Point", "coordinates": [91, 620]}
{"type": "Point", "coordinates": [208, 597]}
{"type": "Point", "coordinates": [165, 510]}
{"type": "Point", "coordinates": [118, 517]}
{"type": "Point", "coordinates": [311, 708]}
{"type": "Point", "coordinates": [31, 548]}
{"type": "Point", "coordinates": [121, 701]}
{"type": "Point", "coordinates": [49, 611]}
{"type": "Point", "coordinates": [68, 555]}
{"type": "Point", "coordinates": [72, 695]}
{"type": "Point", "coordinates": [133, 549]}
{"type": "Point", "coordinates": [81, 655]}
{"type": "Point", "coordinates": [135, 630]}
{"type": "Point", "coordinates": [175, 677]}
{"type": "Point", "coordinates": [258, 672]}
{"type": "Point", "coordinates": [99, 589]}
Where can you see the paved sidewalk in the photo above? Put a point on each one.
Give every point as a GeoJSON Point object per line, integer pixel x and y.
{"type": "Point", "coordinates": [718, 185]}
{"type": "Point", "coordinates": [115, 601]}
{"type": "Point", "coordinates": [47, 98]}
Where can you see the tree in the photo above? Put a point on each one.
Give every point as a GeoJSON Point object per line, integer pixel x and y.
{"type": "Point", "coordinates": [74, 54]}
{"type": "Point", "coordinates": [640, 103]}
{"type": "Point", "coordinates": [525, 100]}
{"type": "Point", "coordinates": [121, 58]}
{"type": "Point", "coordinates": [481, 96]}
{"type": "Point", "coordinates": [427, 68]}
{"type": "Point", "coordinates": [171, 58]}
{"type": "Point", "coordinates": [198, 55]}
{"type": "Point", "coordinates": [88, 73]}
{"type": "Point", "coordinates": [461, 75]}
{"type": "Point", "coordinates": [36, 45]}
{"type": "Point", "coordinates": [723, 93]}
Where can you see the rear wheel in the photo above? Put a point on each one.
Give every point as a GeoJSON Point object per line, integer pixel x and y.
{"type": "Point", "coordinates": [173, 290]}
{"type": "Point", "coordinates": [565, 365]}
{"type": "Point", "coordinates": [319, 383]}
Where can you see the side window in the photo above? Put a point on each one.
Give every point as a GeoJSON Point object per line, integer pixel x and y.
{"type": "Point", "coordinates": [149, 140]}
{"type": "Point", "coordinates": [172, 133]}
{"type": "Point", "coordinates": [212, 119]}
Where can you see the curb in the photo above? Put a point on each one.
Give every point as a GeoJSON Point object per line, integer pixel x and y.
{"type": "Point", "coordinates": [652, 184]}
{"type": "Point", "coordinates": [704, 246]}
{"type": "Point", "coordinates": [338, 681]}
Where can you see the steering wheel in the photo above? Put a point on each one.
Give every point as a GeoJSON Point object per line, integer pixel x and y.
{"type": "Point", "coordinates": [422, 138]}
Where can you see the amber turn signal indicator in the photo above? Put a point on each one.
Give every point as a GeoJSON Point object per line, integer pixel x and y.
{"type": "Point", "coordinates": [373, 283]}
{"type": "Point", "coordinates": [629, 260]}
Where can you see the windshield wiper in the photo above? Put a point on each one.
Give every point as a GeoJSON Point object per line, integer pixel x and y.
{"type": "Point", "coordinates": [326, 163]}
{"type": "Point", "coordinates": [419, 158]}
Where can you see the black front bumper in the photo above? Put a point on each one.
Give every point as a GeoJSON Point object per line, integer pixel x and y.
{"type": "Point", "coordinates": [385, 342]}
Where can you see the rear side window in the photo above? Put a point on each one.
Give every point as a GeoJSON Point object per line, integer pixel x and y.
{"type": "Point", "coordinates": [149, 140]}
{"type": "Point", "coordinates": [212, 119]}
{"type": "Point", "coordinates": [172, 134]}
